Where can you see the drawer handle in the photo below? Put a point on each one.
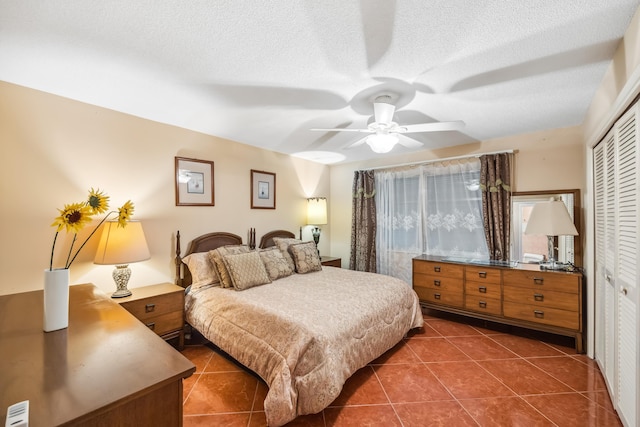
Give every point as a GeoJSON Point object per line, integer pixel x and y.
{"type": "Point", "coordinates": [149, 308]}
{"type": "Point", "coordinates": [436, 269]}
{"type": "Point", "coordinates": [151, 325]}
{"type": "Point", "coordinates": [436, 282]}
{"type": "Point", "coordinates": [436, 296]}
{"type": "Point", "coordinates": [538, 280]}
{"type": "Point", "coordinates": [482, 289]}
{"type": "Point", "coordinates": [482, 304]}
{"type": "Point", "coordinates": [482, 274]}
{"type": "Point", "coordinates": [538, 297]}
{"type": "Point", "coordinates": [539, 314]}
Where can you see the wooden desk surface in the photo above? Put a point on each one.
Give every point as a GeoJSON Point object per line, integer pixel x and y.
{"type": "Point", "coordinates": [105, 357]}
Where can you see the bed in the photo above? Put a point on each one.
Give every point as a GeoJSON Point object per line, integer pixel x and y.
{"type": "Point", "coordinates": [304, 333]}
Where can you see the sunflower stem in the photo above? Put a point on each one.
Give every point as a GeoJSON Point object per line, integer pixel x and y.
{"type": "Point", "coordinates": [86, 240]}
{"type": "Point", "coordinates": [53, 247]}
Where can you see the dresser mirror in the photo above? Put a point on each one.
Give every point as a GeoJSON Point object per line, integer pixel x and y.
{"type": "Point", "coordinates": [533, 248]}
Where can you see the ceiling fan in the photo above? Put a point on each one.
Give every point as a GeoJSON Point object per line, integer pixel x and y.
{"type": "Point", "coordinates": [385, 133]}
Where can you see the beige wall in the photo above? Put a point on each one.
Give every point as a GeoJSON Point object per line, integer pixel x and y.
{"type": "Point", "coordinates": [55, 149]}
{"type": "Point", "coordinates": [547, 160]}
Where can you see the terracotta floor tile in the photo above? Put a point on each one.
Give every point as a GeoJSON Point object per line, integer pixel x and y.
{"type": "Point", "coordinates": [410, 383]}
{"type": "Point", "coordinates": [481, 348]}
{"type": "Point", "coordinates": [448, 328]}
{"type": "Point", "coordinates": [448, 413]}
{"type": "Point", "coordinates": [436, 350]}
{"type": "Point", "coordinates": [261, 394]}
{"type": "Point", "coordinates": [467, 380]}
{"type": "Point", "coordinates": [221, 392]}
{"type": "Point", "coordinates": [522, 377]}
{"type": "Point", "coordinates": [227, 420]}
{"type": "Point", "coordinates": [525, 347]}
{"type": "Point", "coordinates": [370, 416]}
{"type": "Point", "coordinates": [401, 353]}
{"type": "Point", "coordinates": [425, 332]}
{"type": "Point", "coordinates": [573, 410]}
{"type": "Point", "coordinates": [574, 373]}
{"type": "Point", "coordinates": [199, 355]}
{"type": "Point", "coordinates": [220, 363]}
{"type": "Point", "coordinates": [504, 411]}
{"type": "Point", "coordinates": [187, 385]}
{"type": "Point", "coordinates": [362, 388]}
{"type": "Point", "coordinates": [311, 420]}
{"type": "Point", "coordinates": [601, 397]}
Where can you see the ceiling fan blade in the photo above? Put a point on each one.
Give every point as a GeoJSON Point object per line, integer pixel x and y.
{"type": "Point", "coordinates": [343, 130]}
{"type": "Point", "coordinates": [408, 142]}
{"type": "Point", "coordinates": [356, 144]}
{"type": "Point", "coordinates": [432, 127]}
{"type": "Point", "coordinates": [383, 112]}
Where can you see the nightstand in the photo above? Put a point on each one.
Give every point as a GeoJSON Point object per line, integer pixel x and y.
{"type": "Point", "coordinates": [330, 261]}
{"type": "Point", "coordinates": [160, 308]}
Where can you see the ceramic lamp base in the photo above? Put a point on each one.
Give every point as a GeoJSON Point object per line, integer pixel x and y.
{"type": "Point", "coordinates": [121, 275]}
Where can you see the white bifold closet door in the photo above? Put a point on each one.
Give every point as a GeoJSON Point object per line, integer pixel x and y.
{"type": "Point", "coordinates": [617, 204]}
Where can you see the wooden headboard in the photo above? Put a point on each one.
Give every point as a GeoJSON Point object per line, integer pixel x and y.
{"type": "Point", "coordinates": [267, 240]}
{"type": "Point", "coordinates": [204, 243]}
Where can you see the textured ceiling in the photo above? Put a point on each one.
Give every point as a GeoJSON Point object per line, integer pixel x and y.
{"type": "Point", "coordinates": [264, 72]}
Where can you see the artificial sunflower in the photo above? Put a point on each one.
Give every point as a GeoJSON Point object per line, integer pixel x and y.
{"type": "Point", "coordinates": [76, 215]}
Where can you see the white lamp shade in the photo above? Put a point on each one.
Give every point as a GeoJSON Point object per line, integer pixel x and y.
{"type": "Point", "coordinates": [317, 211]}
{"type": "Point", "coordinates": [382, 143]}
{"type": "Point", "coordinates": [121, 245]}
{"type": "Point", "coordinates": [551, 219]}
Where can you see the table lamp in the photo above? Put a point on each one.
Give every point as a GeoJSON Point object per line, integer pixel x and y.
{"type": "Point", "coordinates": [316, 215]}
{"type": "Point", "coordinates": [121, 246]}
{"type": "Point", "coordinates": [550, 219]}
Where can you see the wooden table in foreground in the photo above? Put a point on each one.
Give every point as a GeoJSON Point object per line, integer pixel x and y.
{"type": "Point", "coordinates": [105, 369]}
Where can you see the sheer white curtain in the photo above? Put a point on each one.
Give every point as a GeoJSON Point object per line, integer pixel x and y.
{"type": "Point", "coordinates": [435, 209]}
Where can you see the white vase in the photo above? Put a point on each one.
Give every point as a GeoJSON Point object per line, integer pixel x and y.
{"type": "Point", "coordinates": [56, 299]}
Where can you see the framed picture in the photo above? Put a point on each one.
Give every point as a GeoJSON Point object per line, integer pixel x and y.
{"type": "Point", "coordinates": [194, 182]}
{"type": "Point", "coordinates": [263, 190]}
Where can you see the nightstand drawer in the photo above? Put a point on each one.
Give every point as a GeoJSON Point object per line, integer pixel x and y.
{"type": "Point", "coordinates": [165, 323]}
{"type": "Point", "coordinates": [154, 306]}
{"type": "Point", "coordinates": [331, 261]}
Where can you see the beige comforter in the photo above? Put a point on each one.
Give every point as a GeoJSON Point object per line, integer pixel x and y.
{"type": "Point", "coordinates": [307, 333]}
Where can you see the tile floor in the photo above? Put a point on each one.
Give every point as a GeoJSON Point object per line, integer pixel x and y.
{"type": "Point", "coordinates": [453, 372]}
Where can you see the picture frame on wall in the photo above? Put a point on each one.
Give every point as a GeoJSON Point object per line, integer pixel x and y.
{"type": "Point", "coordinates": [194, 182]}
{"type": "Point", "coordinates": [263, 190]}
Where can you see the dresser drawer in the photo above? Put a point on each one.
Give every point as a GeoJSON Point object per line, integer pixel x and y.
{"type": "Point", "coordinates": [483, 275]}
{"type": "Point", "coordinates": [563, 282]}
{"type": "Point", "coordinates": [438, 282]}
{"type": "Point", "coordinates": [483, 304]}
{"type": "Point", "coordinates": [482, 290]}
{"type": "Point", "coordinates": [165, 323]}
{"type": "Point", "coordinates": [153, 306]}
{"type": "Point", "coordinates": [438, 269]}
{"type": "Point", "coordinates": [543, 315]}
{"type": "Point", "coordinates": [434, 296]}
{"type": "Point", "coordinates": [542, 298]}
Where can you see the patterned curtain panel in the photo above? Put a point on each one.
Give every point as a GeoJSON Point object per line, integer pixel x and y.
{"type": "Point", "coordinates": [363, 223]}
{"type": "Point", "coordinates": [495, 182]}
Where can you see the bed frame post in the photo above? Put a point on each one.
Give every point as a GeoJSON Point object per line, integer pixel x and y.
{"type": "Point", "coordinates": [178, 260]}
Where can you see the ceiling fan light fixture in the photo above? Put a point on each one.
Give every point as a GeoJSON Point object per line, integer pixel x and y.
{"type": "Point", "coordinates": [382, 142]}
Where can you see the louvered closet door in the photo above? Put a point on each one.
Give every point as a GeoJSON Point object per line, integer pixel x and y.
{"type": "Point", "coordinates": [610, 261]}
{"type": "Point", "coordinates": [599, 184]}
{"type": "Point", "coordinates": [627, 257]}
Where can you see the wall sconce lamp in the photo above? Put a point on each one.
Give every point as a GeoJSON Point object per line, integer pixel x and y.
{"type": "Point", "coordinates": [551, 219]}
{"type": "Point", "coordinates": [121, 246]}
{"type": "Point", "coordinates": [316, 215]}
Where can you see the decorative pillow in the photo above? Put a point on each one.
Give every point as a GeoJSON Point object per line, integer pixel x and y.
{"type": "Point", "coordinates": [246, 270]}
{"type": "Point", "coordinates": [306, 257]}
{"type": "Point", "coordinates": [283, 243]}
{"type": "Point", "coordinates": [202, 270]}
{"type": "Point", "coordinates": [217, 256]}
{"type": "Point", "coordinates": [277, 267]}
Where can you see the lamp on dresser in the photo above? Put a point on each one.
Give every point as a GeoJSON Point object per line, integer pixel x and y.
{"type": "Point", "coordinates": [551, 219]}
{"type": "Point", "coordinates": [316, 215]}
{"type": "Point", "coordinates": [121, 246]}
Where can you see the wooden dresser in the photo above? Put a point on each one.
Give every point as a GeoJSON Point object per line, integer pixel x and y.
{"type": "Point", "coordinates": [520, 295]}
{"type": "Point", "coordinates": [105, 369]}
